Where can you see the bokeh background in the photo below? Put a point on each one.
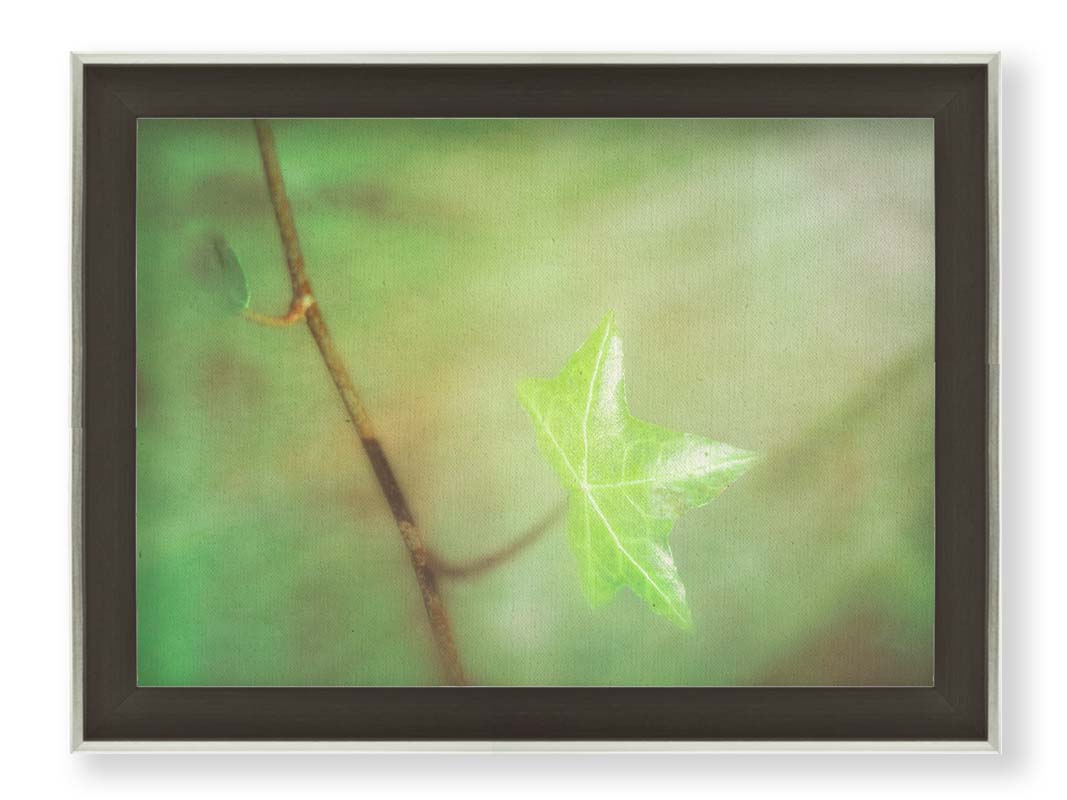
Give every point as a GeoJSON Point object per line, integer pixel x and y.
{"type": "Point", "coordinates": [773, 287]}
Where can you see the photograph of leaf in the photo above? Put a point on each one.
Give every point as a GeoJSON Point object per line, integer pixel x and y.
{"type": "Point", "coordinates": [535, 402]}
{"type": "Point", "coordinates": [628, 480]}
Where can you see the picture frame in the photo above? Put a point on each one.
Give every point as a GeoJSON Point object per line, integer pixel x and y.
{"type": "Point", "coordinates": [960, 93]}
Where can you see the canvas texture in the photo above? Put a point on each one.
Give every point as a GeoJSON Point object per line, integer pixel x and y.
{"type": "Point", "coordinates": [770, 285]}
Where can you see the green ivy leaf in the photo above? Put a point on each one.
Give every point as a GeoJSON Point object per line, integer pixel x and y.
{"type": "Point", "coordinates": [628, 480]}
{"type": "Point", "coordinates": [234, 283]}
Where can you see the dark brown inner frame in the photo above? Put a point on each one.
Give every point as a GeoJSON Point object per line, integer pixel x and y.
{"type": "Point", "coordinates": [115, 708]}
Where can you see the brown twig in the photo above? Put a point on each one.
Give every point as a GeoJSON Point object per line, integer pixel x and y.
{"type": "Point", "coordinates": [357, 412]}
{"type": "Point", "coordinates": [477, 566]}
{"type": "Point", "coordinates": [297, 309]}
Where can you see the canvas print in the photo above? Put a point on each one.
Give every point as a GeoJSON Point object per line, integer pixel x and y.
{"type": "Point", "coordinates": [535, 402]}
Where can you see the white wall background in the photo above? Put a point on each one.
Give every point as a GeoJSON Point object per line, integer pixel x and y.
{"type": "Point", "coordinates": [34, 337]}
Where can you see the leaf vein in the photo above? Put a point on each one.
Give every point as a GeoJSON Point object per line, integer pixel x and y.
{"type": "Point", "coordinates": [589, 404]}
{"type": "Point", "coordinates": [625, 552]}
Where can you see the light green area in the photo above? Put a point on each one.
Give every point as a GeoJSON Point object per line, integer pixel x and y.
{"type": "Point", "coordinates": [774, 283]}
{"type": "Point", "coordinates": [628, 480]}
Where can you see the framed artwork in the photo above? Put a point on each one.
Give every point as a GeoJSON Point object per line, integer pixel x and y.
{"type": "Point", "coordinates": [571, 402]}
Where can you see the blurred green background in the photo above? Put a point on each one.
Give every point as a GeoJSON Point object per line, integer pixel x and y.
{"type": "Point", "coordinates": [773, 287]}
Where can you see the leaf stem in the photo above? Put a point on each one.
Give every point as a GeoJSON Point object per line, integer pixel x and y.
{"type": "Point", "coordinates": [304, 298]}
{"type": "Point", "coordinates": [297, 310]}
{"type": "Point", "coordinates": [478, 566]}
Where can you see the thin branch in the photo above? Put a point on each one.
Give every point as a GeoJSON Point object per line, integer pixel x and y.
{"type": "Point", "coordinates": [357, 413]}
{"type": "Point", "coordinates": [297, 309]}
{"type": "Point", "coordinates": [478, 566]}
